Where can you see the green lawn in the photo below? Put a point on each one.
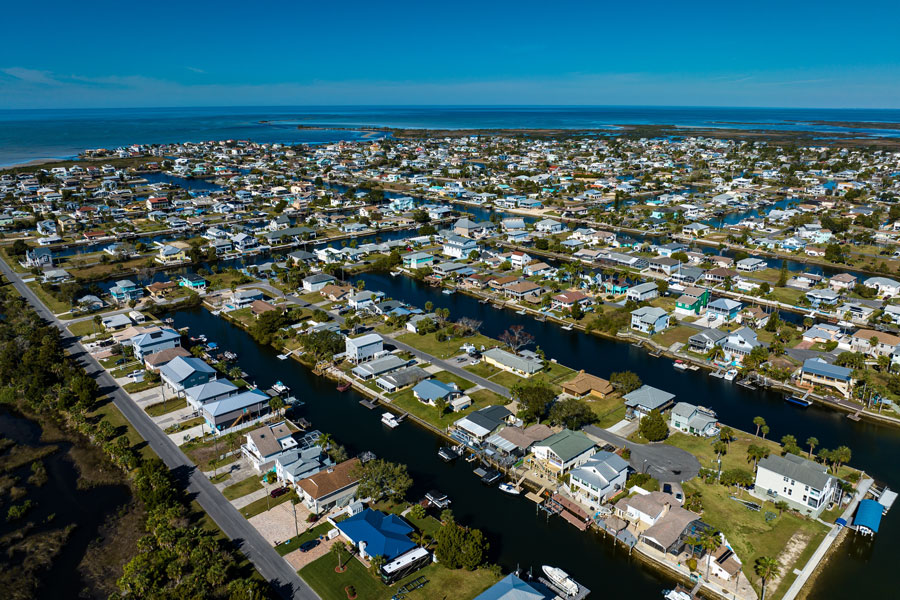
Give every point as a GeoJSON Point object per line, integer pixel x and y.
{"type": "Point", "coordinates": [243, 487]}
{"type": "Point", "coordinates": [679, 333]}
{"type": "Point", "coordinates": [140, 386]}
{"type": "Point", "coordinates": [265, 503]}
{"type": "Point", "coordinates": [83, 328]}
{"type": "Point", "coordinates": [482, 369]}
{"type": "Point", "coordinates": [786, 295]}
{"type": "Point", "coordinates": [184, 425]}
{"type": "Point", "coordinates": [58, 307]}
{"type": "Point", "coordinates": [749, 533]}
{"type": "Point", "coordinates": [448, 377]}
{"type": "Point", "coordinates": [442, 583]}
{"type": "Point", "coordinates": [609, 410]}
{"type": "Point", "coordinates": [429, 343]}
{"type": "Point", "coordinates": [487, 397]}
{"type": "Point", "coordinates": [162, 408]}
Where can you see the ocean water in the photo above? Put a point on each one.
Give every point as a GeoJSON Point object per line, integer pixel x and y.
{"type": "Point", "coordinates": [40, 134]}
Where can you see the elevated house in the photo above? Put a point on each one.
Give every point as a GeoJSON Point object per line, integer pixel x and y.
{"type": "Point", "coordinates": [332, 487]}
{"type": "Point", "coordinates": [564, 450]}
{"type": "Point", "coordinates": [817, 372]}
{"type": "Point", "coordinates": [695, 420]}
{"type": "Point", "coordinates": [805, 485]}
{"type": "Point", "coordinates": [265, 444]}
{"type": "Point", "coordinates": [646, 398]}
{"type": "Point", "coordinates": [600, 477]}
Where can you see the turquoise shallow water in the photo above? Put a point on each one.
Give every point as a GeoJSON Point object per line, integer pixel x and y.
{"type": "Point", "coordinates": [34, 134]}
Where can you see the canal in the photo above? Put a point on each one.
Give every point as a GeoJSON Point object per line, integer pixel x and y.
{"type": "Point", "coordinates": [520, 537]}
{"type": "Point", "coordinates": [874, 446]}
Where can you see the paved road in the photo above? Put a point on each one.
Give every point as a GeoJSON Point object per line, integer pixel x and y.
{"type": "Point", "coordinates": [468, 375]}
{"type": "Point", "coordinates": [270, 565]}
{"type": "Point", "coordinates": [666, 463]}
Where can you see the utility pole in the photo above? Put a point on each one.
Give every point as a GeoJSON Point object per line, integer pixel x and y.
{"type": "Point", "coordinates": [294, 506]}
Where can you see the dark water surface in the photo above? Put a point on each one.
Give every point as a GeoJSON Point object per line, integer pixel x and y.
{"type": "Point", "coordinates": [519, 536]}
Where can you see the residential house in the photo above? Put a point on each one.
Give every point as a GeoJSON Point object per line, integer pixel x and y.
{"type": "Point", "coordinates": [645, 399]}
{"type": "Point", "coordinates": [333, 487]}
{"type": "Point", "coordinates": [842, 282]}
{"type": "Point", "coordinates": [568, 300]}
{"type": "Point", "coordinates": [315, 283]}
{"type": "Point", "coordinates": [585, 384]}
{"type": "Point", "coordinates": [817, 372]}
{"type": "Point", "coordinates": [265, 444]}
{"type": "Point", "coordinates": [740, 343]}
{"type": "Point", "coordinates": [723, 308]}
{"type": "Point", "coordinates": [649, 319]}
{"type": "Point", "coordinates": [417, 260]}
{"type": "Point", "coordinates": [374, 533]}
{"type": "Point", "coordinates": [244, 298]}
{"type": "Point", "coordinates": [525, 364]}
{"type": "Point", "coordinates": [397, 380]}
{"type": "Point", "coordinates": [300, 462]}
{"type": "Point", "coordinates": [819, 298]}
{"type": "Point", "coordinates": [125, 290]}
{"type": "Point", "coordinates": [805, 485]}
{"type": "Point", "coordinates": [430, 391]}
{"type": "Point", "coordinates": [643, 292]}
{"type": "Point", "coordinates": [564, 450]}
{"type": "Point", "coordinates": [695, 420]}
{"type": "Point", "coordinates": [154, 341]}
{"type": "Point", "coordinates": [459, 247]}
{"type": "Point", "coordinates": [874, 343]}
{"type": "Point", "coordinates": [364, 348]}
{"type": "Point", "coordinates": [477, 426]}
{"type": "Point", "coordinates": [706, 340]}
{"type": "Point", "coordinates": [884, 286]}
{"type": "Point", "coordinates": [751, 264]}
{"type": "Point", "coordinates": [211, 391]}
{"type": "Point", "coordinates": [221, 415]}
{"type": "Point", "coordinates": [599, 478]}
{"type": "Point", "coordinates": [180, 373]}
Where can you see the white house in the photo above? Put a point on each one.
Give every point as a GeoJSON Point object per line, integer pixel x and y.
{"type": "Point", "coordinates": [643, 292]}
{"type": "Point", "coordinates": [806, 486]}
{"type": "Point", "coordinates": [365, 347]}
{"type": "Point", "coordinates": [649, 319]}
{"type": "Point", "coordinates": [603, 475]}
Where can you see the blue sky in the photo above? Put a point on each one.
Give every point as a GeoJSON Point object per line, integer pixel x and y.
{"type": "Point", "coordinates": [199, 53]}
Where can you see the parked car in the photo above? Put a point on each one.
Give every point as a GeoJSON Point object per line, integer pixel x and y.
{"type": "Point", "coordinates": [136, 374]}
{"type": "Point", "coordinates": [278, 492]}
{"type": "Point", "coordinates": [307, 546]}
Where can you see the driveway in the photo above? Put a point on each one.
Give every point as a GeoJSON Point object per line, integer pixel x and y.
{"type": "Point", "coordinates": [277, 525]}
{"type": "Point", "coordinates": [298, 559]}
{"type": "Point", "coordinates": [662, 461]}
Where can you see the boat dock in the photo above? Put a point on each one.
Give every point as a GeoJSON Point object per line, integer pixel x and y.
{"type": "Point", "coordinates": [368, 404]}
{"type": "Point", "coordinates": [583, 592]}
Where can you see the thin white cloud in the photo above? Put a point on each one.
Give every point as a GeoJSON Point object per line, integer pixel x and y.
{"type": "Point", "coordinates": [195, 70]}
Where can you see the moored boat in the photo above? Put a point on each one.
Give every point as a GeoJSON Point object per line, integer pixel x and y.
{"type": "Point", "coordinates": [561, 579]}
{"type": "Point", "coordinates": [730, 374]}
{"type": "Point", "coordinates": [508, 488]}
{"type": "Point", "coordinates": [389, 420]}
{"type": "Point", "coordinates": [680, 365]}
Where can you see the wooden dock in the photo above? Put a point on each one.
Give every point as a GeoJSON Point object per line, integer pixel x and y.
{"type": "Point", "coordinates": [368, 404]}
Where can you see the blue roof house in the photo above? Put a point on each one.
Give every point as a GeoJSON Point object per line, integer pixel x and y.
{"type": "Point", "coordinates": [375, 533]}
{"type": "Point", "coordinates": [511, 588]}
{"type": "Point", "coordinates": [181, 373]}
{"type": "Point", "coordinates": [155, 341]}
{"type": "Point", "coordinates": [432, 390]}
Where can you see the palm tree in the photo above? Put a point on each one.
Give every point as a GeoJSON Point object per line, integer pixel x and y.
{"type": "Point", "coordinates": [420, 538]}
{"type": "Point", "coordinates": [709, 540]}
{"type": "Point", "coordinates": [765, 431]}
{"type": "Point", "coordinates": [812, 443]}
{"type": "Point", "coordinates": [376, 562]}
{"type": "Point", "coordinates": [720, 448]}
{"type": "Point", "coordinates": [782, 506]}
{"type": "Point", "coordinates": [325, 440]}
{"type": "Point", "coordinates": [340, 548]}
{"type": "Point", "coordinates": [759, 422]}
{"type": "Point", "coordinates": [756, 453]}
{"type": "Point", "coordinates": [766, 568]}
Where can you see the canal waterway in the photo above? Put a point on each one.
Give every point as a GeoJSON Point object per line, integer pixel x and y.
{"type": "Point", "coordinates": [518, 535]}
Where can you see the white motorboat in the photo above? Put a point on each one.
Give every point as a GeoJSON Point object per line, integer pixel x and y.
{"type": "Point", "coordinates": [389, 420]}
{"type": "Point", "coordinates": [561, 579]}
{"type": "Point", "coordinates": [279, 387]}
{"type": "Point", "coordinates": [730, 374]}
{"type": "Point", "coordinates": [509, 489]}
{"type": "Point", "coordinates": [678, 593]}
{"type": "Point", "coordinates": [680, 365]}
